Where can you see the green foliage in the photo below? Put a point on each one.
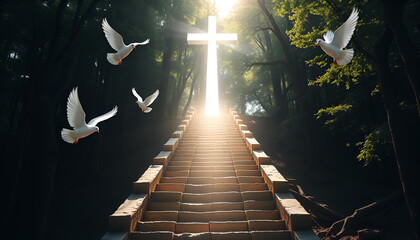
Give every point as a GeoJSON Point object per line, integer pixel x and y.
{"type": "Point", "coordinates": [376, 144]}
{"type": "Point", "coordinates": [332, 112]}
{"type": "Point", "coordinates": [346, 75]}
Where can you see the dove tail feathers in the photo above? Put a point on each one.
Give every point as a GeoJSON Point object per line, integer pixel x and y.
{"type": "Point", "coordinates": [112, 58]}
{"type": "Point", "coordinates": [346, 56]}
{"type": "Point", "coordinates": [147, 110]}
{"type": "Point", "coordinates": [67, 135]}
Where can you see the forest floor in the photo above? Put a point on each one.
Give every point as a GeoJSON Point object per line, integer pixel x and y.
{"type": "Point", "coordinates": [338, 181]}
{"type": "Point", "coordinates": [86, 193]}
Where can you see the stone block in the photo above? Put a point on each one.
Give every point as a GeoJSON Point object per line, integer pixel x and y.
{"type": "Point", "coordinates": [246, 133]}
{"type": "Point", "coordinates": [262, 225]}
{"type": "Point", "coordinates": [160, 216]}
{"type": "Point", "coordinates": [259, 205]}
{"type": "Point", "coordinates": [163, 206]}
{"type": "Point", "coordinates": [128, 214]}
{"type": "Point", "coordinates": [252, 187]}
{"type": "Point", "coordinates": [181, 127]}
{"type": "Point", "coordinates": [197, 197]}
{"type": "Point", "coordinates": [192, 227]}
{"type": "Point", "coordinates": [233, 215]}
{"type": "Point", "coordinates": [178, 187]}
{"type": "Point", "coordinates": [241, 235]}
{"type": "Point", "coordinates": [171, 144]}
{"type": "Point", "coordinates": [178, 134]}
{"type": "Point", "coordinates": [295, 216]}
{"type": "Point", "coordinates": [193, 236]}
{"type": "Point", "coordinates": [196, 207]}
{"type": "Point", "coordinates": [260, 157]}
{"type": "Point", "coordinates": [276, 182]}
{"type": "Point", "coordinates": [166, 196]}
{"type": "Point", "coordinates": [248, 173]}
{"type": "Point", "coordinates": [227, 197]}
{"type": "Point", "coordinates": [187, 216]}
{"type": "Point", "coordinates": [147, 182]}
{"type": "Point", "coordinates": [150, 226]}
{"type": "Point", "coordinates": [257, 195]}
{"type": "Point", "coordinates": [228, 226]}
{"type": "Point", "coordinates": [242, 127]}
{"type": "Point", "coordinates": [252, 144]}
{"type": "Point", "coordinates": [199, 188]}
{"type": "Point", "coordinates": [162, 158]}
{"type": "Point", "coordinates": [262, 214]}
{"type": "Point", "coordinates": [185, 122]}
{"type": "Point", "coordinates": [173, 180]}
{"type": "Point", "coordinates": [225, 187]}
{"type": "Point", "coordinates": [227, 206]}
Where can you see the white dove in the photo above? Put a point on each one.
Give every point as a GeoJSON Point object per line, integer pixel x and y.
{"type": "Point", "coordinates": [335, 42]}
{"type": "Point", "coordinates": [149, 100]}
{"type": "Point", "coordinates": [117, 43]}
{"type": "Point", "coordinates": [77, 119]}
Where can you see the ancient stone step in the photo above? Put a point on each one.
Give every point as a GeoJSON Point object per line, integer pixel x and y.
{"type": "Point", "coordinates": [150, 226]}
{"type": "Point", "coordinates": [164, 196]}
{"type": "Point", "coordinates": [259, 205]}
{"type": "Point", "coordinates": [262, 214]}
{"type": "Point", "coordinates": [228, 226]}
{"type": "Point", "coordinates": [252, 187]}
{"type": "Point", "coordinates": [160, 216]}
{"type": "Point", "coordinates": [257, 195]}
{"type": "Point", "coordinates": [164, 206]}
{"type": "Point", "coordinates": [261, 225]}
{"type": "Point", "coordinates": [192, 227]}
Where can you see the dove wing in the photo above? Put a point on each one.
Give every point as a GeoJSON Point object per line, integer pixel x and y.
{"type": "Point", "coordinates": [103, 117]}
{"type": "Point", "coordinates": [142, 43]}
{"type": "Point", "coordinates": [150, 99]}
{"type": "Point", "coordinates": [329, 36]}
{"type": "Point", "coordinates": [75, 114]}
{"type": "Point", "coordinates": [133, 90]}
{"type": "Point", "coordinates": [343, 34]}
{"type": "Point", "coordinates": [115, 39]}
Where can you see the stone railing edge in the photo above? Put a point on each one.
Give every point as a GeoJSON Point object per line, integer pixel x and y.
{"type": "Point", "coordinates": [124, 219]}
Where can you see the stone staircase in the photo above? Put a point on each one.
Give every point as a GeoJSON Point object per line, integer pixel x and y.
{"type": "Point", "coordinates": [211, 182]}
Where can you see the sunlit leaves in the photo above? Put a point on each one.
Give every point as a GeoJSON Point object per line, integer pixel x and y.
{"type": "Point", "coordinates": [346, 75]}
{"type": "Point", "coordinates": [332, 111]}
{"type": "Point", "coordinates": [375, 145]}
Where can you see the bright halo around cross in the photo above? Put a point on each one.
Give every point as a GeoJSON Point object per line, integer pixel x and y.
{"type": "Point", "coordinates": [223, 7]}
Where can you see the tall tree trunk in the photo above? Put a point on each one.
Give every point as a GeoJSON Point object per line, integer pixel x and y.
{"type": "Point", "coordinates": [166, 68]}
{"type": "Point", "coordinates": [275, 77]}
{"type": "Point", "coordinates": [404, 131]}
{"type": "Point", "coordinates": [394, 18]}
{"type": "Point", "coordinates": [187, 105]}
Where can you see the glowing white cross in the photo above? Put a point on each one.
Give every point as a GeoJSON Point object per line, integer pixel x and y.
{"type": "Point", "coordinates": [210, 38]}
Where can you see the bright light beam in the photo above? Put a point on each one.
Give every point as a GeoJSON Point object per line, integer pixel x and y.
{"type": "Point", "coordinates": [210, 38]}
